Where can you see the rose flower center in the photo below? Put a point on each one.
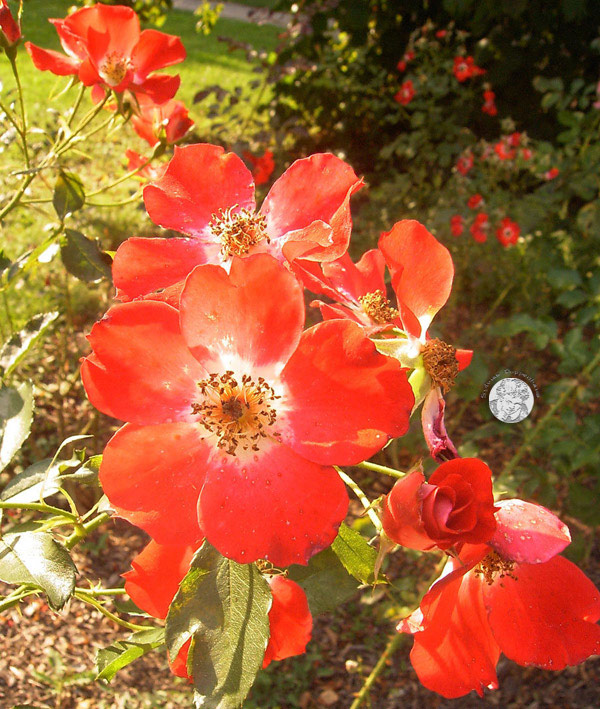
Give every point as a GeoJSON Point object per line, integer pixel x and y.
{"type": "Point", "coordinates": [493, 566]}
{"type": "Point", "coordinates": [114, 68]}
{"type": "Point", "coordinates": [441, 364]}
{"type": "Point", "coordinates": [238, 413]}
{"type": "Point", "coordinates": [238, 231]}
{"type": "Point", "coordinates": [378, 307]}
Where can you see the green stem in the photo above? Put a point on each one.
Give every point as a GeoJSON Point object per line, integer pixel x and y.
{"type": "Point", "coordinates": [364, 500]}
{"type": "Point", "coordinates": [38, 507]}
{"type": "Point", "coordinates": [366, 465]}
{"type": "Point", "coordinates": [23, 131]}
{"type": "Point", "coordinates": [86, 598]}
{"type": "Point", "coordinates": [132, 173]}
{"type": "Point", "coordinates": [533, 433]}
{"type": "Point", "coordinates": [11, 328]}
{"type": "Point", "coordinates": [15, 597]}
{"type": "Point", "coordinates": [102, 591]}
{"type": "Point", "coordinates": [394, 643]}
{"type": "Point", "coordinates": [82, 531]}
{"type": "Point", "coordinates": [77, 104]}
{"type": "Point", "coordinates": [129, 200]}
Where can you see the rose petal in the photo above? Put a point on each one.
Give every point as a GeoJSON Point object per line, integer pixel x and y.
{"type": "Point", "coordinates": [422, 273]}
{"type": "Point", "coordinates": [273, 505]}
{"type": "Point", "coordinates": [155, 50]}
{"type": "Point", "coordinates": [290, 621]}
{"type": "Point", "coordinates": [145, 265]}
{"type": "Point", "coordinates": [345, 399]}
{"type": "Point", "coordinates": [234, 320]}
{"type": "Point", "coordinates": [317, 188]}
{"type": "Point", "coordinates": [157, 572]}
{"type": "Point", "coordinates": [528, 533]}
{"type": "Point", "coordinates": [152, 476]}
{"type": "Point", "coordinates": [545, 614]}
{"type": "Point", "coordinates": [402, 506]}
{"type": "Point", "coordinates": [455, 652]}
{"type": "Point", "coordinates": [49, 60]}
{"type": "Point", "coordinates": [142, 370]}
{"type": "Point", "coordinates": [200, 180]}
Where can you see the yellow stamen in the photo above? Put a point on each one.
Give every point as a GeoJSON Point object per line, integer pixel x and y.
{"type": "Point", "coordinates": [238, 231]}
{"type": "Point", "coordinates": [441, 364]}
{"type": "Point", "coordinates": [378, 307]}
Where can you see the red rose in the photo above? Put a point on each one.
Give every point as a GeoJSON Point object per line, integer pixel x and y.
{"type": "Point", "coordinates": [455, 505]}
{"type": "Point", "coordinates": [10, 31]}
{"type": "Point", "coordinates": [406, 93]}
{"type": "Point", "coordinates": [168, 121]}
{"type": "Point", "coordinates": [508, 232]}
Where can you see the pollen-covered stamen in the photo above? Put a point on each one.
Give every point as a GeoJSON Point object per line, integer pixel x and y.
{"type": "Point", "coordinates": [238, 231]}
{"type": "Point", "coordinates": [441, 364]}
{"type": "Point", "coordinates": [378, 307]}
{"type": "Point", "coordinates": [238, 413]}
{"type": "Point", "coordinates": [114, 68]}
{"type": "Point", "coordinates": [493, 567]}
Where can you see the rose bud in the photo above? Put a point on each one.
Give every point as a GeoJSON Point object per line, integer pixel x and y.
{"type": "Point", "coordinates": [455, 505]}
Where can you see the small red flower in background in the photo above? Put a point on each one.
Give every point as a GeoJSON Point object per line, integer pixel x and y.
{"type": "Point", "coordinates": [552, 173]}
{"type": "Point", "coordinates": [508, 232]}
{"type": "Point", "coordinates": [104, 47]}
{"type": "Point", "coordinates": [440, 34]}
{"type": "Point", "coordinates": [457, 225]}
{"type": "Point", "coordinates": [465, 163]}
{"type": "Point", "coordinates": [10, 30]}
{"type": "Point", "coordinates": [237, 412]}
{"type": "Point", "coordinates": [479, 227]}
{"type": "Point", "coordinates": [168, 121]}
{"type": "Point", "coordinates": [406, 93]}
{"type": "Point", "coordinates": [474, 201]}
{"type": "Point", "coordinates": [408, 57]}
{"type": "Point", "coordinates": [208, 194]}
{"type": "Point", "coordinates": [455, 505]}
{"type": "Point", "coordinates": [526, 154]}
{"type": "Point", "coordinates": [489, 103]}
{"type": "Point", "coordinates": [159, 569]}
{"type": "Point", "coordinates": [149, 172]}
{"type": "Point", "coordinates": [503, 151]}
{"type": "Point", "coordinates": [514, 140]}
{"type": "Point", "coordinates": [262, 167]}
{"type": "Point", "coordinates": [513, 595]}
{"type": "Point", "coordinates": [465, 67]}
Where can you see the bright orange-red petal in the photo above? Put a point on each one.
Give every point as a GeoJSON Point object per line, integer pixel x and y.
{"type": "Point", "coordinates": [290, 621]}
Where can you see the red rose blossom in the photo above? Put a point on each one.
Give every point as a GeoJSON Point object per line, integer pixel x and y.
{"type": "Point", "coordinates": [262, 167]}
{"type": "Point", "coordinates": [465, 163]}
{"type": "Point", "coordinates": [464, 68]}
{"type": "Point", "coordinates": [454, 506]}
{"type": "Point", "coordinates": [479, 227]}
{"type": "Point", "coordinates": [511, 596]}
{"type": "Point", "coordinates": [440, 34]}
{"type": "Point", "coordinates": [503, 151]}
{"type": "Point", "coordinates": [149, 172]}
{"type": "Point", "coordinates": [104, 47]}
{"type": "Point", "coordinates": [236, 416]}
{"type": "Point", "coordinates": [457, 225]}
{"type": "Point", "coordinates": [168, 121]}
{"type": "Point", "coordinates": [159, 569]}
{"type": "Point", "coordinates": [474, 201]}
{"type": "Point", "coordinates": [508, 232]}
{"type": "Point", "coordinates": [406, 93]}
{"type": "Point", "coordinates": [10, 30]}
{"type": "Point", "coordinates": [489, 103]}
{"type": "Point", "coordinates": [552, 173]}
{"type": "Point", "coordinates": [526, 154]}
{"type": "Point", "coordinates": [208, 194]}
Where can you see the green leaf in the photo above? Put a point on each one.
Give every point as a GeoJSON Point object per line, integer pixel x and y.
{"type": "Point", "coordinates": [69, 195]}
{"type": "Point", "coordinates": [37, 558]}
{"type": "Point", "coordinates": [357, 557]}
{"type": "Point", "coordinates": [87, 473]}
{"type": "Point", "coordinates": [37, 481]}
{"type": "Point", "coordinates": [325, 581]}
{"type": "Point", "coordinates": [223, 607]}
{"type": "Point", "coordinates": [83, 257]}
{"type": "Point", "coordinates": [16, 413]}
{"type": "Point", "coordinates": [121, 653]}
{"type": "Point", "coordinates": [20, 343]}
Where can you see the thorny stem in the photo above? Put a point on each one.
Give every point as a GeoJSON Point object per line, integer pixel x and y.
{"type": "Point", "coordinates": [15, 597]}
{"type": "Point", "coordinates": [83, 530]}
{"type": "Point", "coordinates": [534, 432]}
{"type": "Point", "coordinates": [132, 173]}
{"type": "Point", "coordinates": [102, 591]}
{"type": "Point", "coordinates": [366, 465]}
{"type": "Point", "coordinates": [87, 598]}
{"type": "Point", "coordinates": [129, 200]}
{"type": "Point", "coordinates": [363, 499]}
{"type": "Point", "coordinates": [82, 89]}
{"type": "Point", "coordinates": [394, 643]}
